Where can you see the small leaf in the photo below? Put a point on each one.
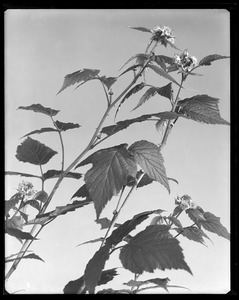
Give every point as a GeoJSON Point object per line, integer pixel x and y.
{"type": "Point", "coordinates": [196, 215]}
{"type": "Point", "coordinates": [134, 90]}
{"type": "Point", "coordinates": [41, 196]}
{"type": "Point", "coordinates": [56, 173]}
{"type": "Point", "coordinates": [177, 211]}
{"type": "Point", "coordinates": [202, 108]}
{"type": "Point", "coordinates": [104, 222]}
{"type": "Point", "coordinates": [109, 173]}
{"type": "Point", "coordinates": [111, 291]}
{"type": "Point", "coordinates": [146, 96]}
{"type": "Point", "coordinates": [150, 159]}
{"type": "Point", "coordinates": [81, 193]}
{"type": "Point", "coordinates": [79, 76]}
{"type": "Point", "coordinates": [161, 126]}
{"type": "Point", "coordinates": [175, 221]}
{"type": "Point", "coordinates": [161, 72]}
{"type": "Point", "coordinates": [153, 248]}
{"type": "Point", "coordinates": [213, 224]}
{"type": "Point", "coordinates": [40, 109]}
{"type": "Point", "coordinates": [91, 241]}
{"type": "Point", "coordinates": [161, 282]}
{"type": "Point", "coordinates": [42, 130]}
{"type": "Point", "coordinates": [66, 126]}
{"type": "Point", "coordinates": [21, 174]}
{"type": "Point", "coordinates": [33, 203]}
{"type": "Point", "coordinates": [19, 234]}
{"type": "Point", "coordinates": [145, 180]}
{"type": "Point", "coordinates": [144, 29]}
{"type": "Point", "coordinates": [108, 81]}
{"type": "Point", "coordinates": [166, 59]}
{"type": "Point", "coordinates": [192, 233]}
{"type": "Point", "coordinates": [140, 58]}
{"type": "Point", "coordinates": [132, 68]}
{"type": "Point", "coordinates": [12, 202]}
{"type": "Point", "coordinates": [207, 60]}
{"type": "Point", "coordinates": [34, 152]}
{"type": "Point", "coordinates": [31, 256]}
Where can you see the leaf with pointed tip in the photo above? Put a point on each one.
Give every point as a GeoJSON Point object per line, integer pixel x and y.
{"type": "Point", "coordinates": [108, 81]}
{"type": "Point", "coordinates": [212, 223]}
{"type": "Point", "coordinates": [105, 223]}
{"type": "Point", "coordinates": [111, 291]}
{"type": "Point", "coordinates": [146, 96]}
{"type": "Point", "coordinates": [40, 109]}
{"type": "Point", "coordinates": [144, 29]}
{"type": "Point", "coordinates": [166, 59]}
{"type": "Point", "coordinates": [175, 221]}
{"type": "Point", "coordinates": [40, 196]}
{"type": "Point", "coordinates": [109, 173]}
{"type": "Point", "coordinates": [66, 126]}
{"type": "Point", "coordinates": [42, 130]}
{"type": "Point", "coordinates": [177, 211]}
{"type": "Point", "coordinates": [161, 282]}
{"type": "Point", "coordinates": [81, 193]}
{"type": "Point", "coordinates": [150, 159]}
{"type": "Point", "coordinates": [32, 256]}
{"type": "Point", "coordinates": [202, 108]}
{"type": "Point", "coordinates": [207, 60]}
{"type": "Point", "coordinates": [163, 73]}
{"type": "Point", "coordinates": [196, 215]}
{"type": "Point", "coordinates": [12, 202]}
{"type": "Point", "coordinates": [145, 180]}
{"type": "Point", "coordinates": [161, 126]}
{"type": "Point", "coordinates": [140, 59]}
{"type": "Point", "coordinates": [56, 173]}
{"type": "Point", "coordinates": [19, 234]}
{"type": "Point", "coordinates": [153, 248]}
{"type": "Point", "coordinates": [132, 68]}
{"type": "Point", "coordinates": [21, 174]}
{"type": "Point", "coordinates": [91, 241]}
{"type": "Point", "coordinates": [34, 152]}
{"type": "Point", "coordinates": [79, 76]}
{"type": "Point", "coordinates": [33, 203]}
{"type": "Point", "coordinates": [193, 233]}
{"type": "Point", "coordinates": [134, 90]}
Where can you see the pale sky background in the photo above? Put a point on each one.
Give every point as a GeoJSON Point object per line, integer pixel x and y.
{"type": "Point", "coordinates": [41, 47]}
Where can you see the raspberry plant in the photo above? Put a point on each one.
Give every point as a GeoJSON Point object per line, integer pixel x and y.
{"type": "Point", "coordinates": [118, 171]}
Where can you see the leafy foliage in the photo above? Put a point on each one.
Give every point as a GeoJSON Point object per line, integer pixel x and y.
{"type": "Point", "coordinates": [153, 248]}
{"type": "Point", "coordinates": [144, 29]}
{"type": "Point", "coordinates": [149, 158]}
{"type": "Point", "coordinates": [19, 234]}
{"type": "Point", "coordinates": [193, 233]}
{"type": "Point", "coordinates": [163, 73]}
{"type": "Point", "coordinates": [202, 108]}
{"type": "Point", "coordinates": [109, 173]}
{"type": "Point", "coordinates": [108, 81]}
{"type": "Point", "coordinates": [21, 174]}
{"type": "Point", "coordinates": [56, 173]}
{"type": "Point", "coordinates": [31, 256]}
{"type": "Point", "coordinates": [34, 152]}
{"type": "Point", "coordinates": [40, 109]}
{"type": "Point", "coordinates": [79, 76]}
{"type": "Point", "coordinates": [42, 130]}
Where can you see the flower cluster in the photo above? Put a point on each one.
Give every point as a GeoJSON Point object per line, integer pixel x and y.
{"type": "Point", "coordinates": [26, 189]}
{"type": "Point", "coordinates": [185, 202]}
{"type": "Point", "coordinates": [185, 62]}
{"type": "Point", "coordinates": [163, 35]}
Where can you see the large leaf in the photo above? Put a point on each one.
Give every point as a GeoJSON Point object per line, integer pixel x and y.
{"type": "Point", "coordinates": [163, 73]}
{"type": "Point", "coordinates": [40, 109]}
{"type": "Point", "coordinates": [56, 173]}
{"type": "Point", "coordinates": [33, 152]}
{"type": "Point", "coordinates": [150, 159]}
{"type": "Point", "coordinates": [21, 174]}
{"type": "Point", "coordinates": [66, 126]}
{"type": "Point", "coordinates": [79, 76]}
{"type": "Point", "coordinates": [202, 108]}
{"type": "Point", "coordinates": [153, 248]}
{"type": "Point", "coordinates": [213, 224]}
{"type": "Point", "coordinates": [207, 60]}
{"type": "Point", "coordinates": [74, 286]}
{"type": "Point", "coordinates": [94, 268]}
{"type": "Point", "coordinates": [42, 130]}
{"type": "Point", "coordinates": [109, 173]}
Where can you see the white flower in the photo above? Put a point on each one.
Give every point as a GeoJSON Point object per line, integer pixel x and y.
{"type": "Point", "coordinates": [163, 34]}
{"type": "Point", "coordinates": [185, 61]}
{"type": "Point", "coordinates": [26, 189]}
{"type": "Point", "coordinates": [185, 202]}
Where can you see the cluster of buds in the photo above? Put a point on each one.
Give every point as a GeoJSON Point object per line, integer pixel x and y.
{"type": "Point", "coordinates": [185, 202]}
{"type": "Point", "coordinates": [163, 35]}
{"type": "Point", "coordinates": [26, 189]}
{"type": "Point", "coordinates": [185, 62]}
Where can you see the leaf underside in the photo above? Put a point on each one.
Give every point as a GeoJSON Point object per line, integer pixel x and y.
{"type": "Point", "coordinates": [153, 248]}
{"type": "Point", "coordinates": [34, 152]}
{"type": "Point", "coordinates": [40, 109]}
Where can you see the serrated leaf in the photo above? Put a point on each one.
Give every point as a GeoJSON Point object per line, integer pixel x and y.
{"type": "Point", "coordinates": [175, 221]}
{"type": "Point", "coordinates": [212, 223]}
{"type": "Point", "coordinates": [161, 127]}
{"type": "Point", "coordinates": [153, 248]}
{"type": "Point", "coordinates": [124, 229]}
{"type": "Point", "coordinates": [34, 152]}
{"type": "Point", "coordinates": [104, 222]}
{"type": "Point", "coordinates": [109, 173]}
{"type": "Point", "coordinates": [192, 233]}
{"type": "Point", "coordinates": [56, 173]}
{"type": "Point", "coordinates": [108, 81]}
{"type": "Point", "coordinates": [12, 202]}
{"type": "Point", "coordinates": [150, 159]}
{"type": "Point", "coordinates": [132, 68]}
{"type": "Point", "coordinates": [166, 59]}
{"type": "Point", "coordinates": [202, 108]}
{"type": "Point", "coordinates": [140, 58]}
{"type": "Point", "coordinates": [163, 73]}
{"type": "Point", "coordinates": [40, 109]}
{"type": "Point", "coordinates": [207, 60]}
{"type": "Point", "coordinates": [66, 126]}
{"type": "Point", "coordinates": [42, 130]}
{"type": "Point", "coordinates": [144, 29]}
{"type": "Point", "coordinates": [196, 215]}
{"type": "Point", "coordinates": [146, 96]}
{"type": "Point", "coordinates": [161, 282]}
{"type": "Point", "coordinates": [134, 90]}
{"type": "Point", "coordinates": [31, 256]}
{"type": "Point", "coordinates": [94, 268]}
{"type": "Point", "coordinates": [21, 174]}
{"type": "Point", "coordinates": [79, 76]}
{"type": "Point", "coordinates": [19, 234]}
{"type": "Point", "coordinates": [145, 180]}
{"type": "Point", "coordinates": [91, 241]}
